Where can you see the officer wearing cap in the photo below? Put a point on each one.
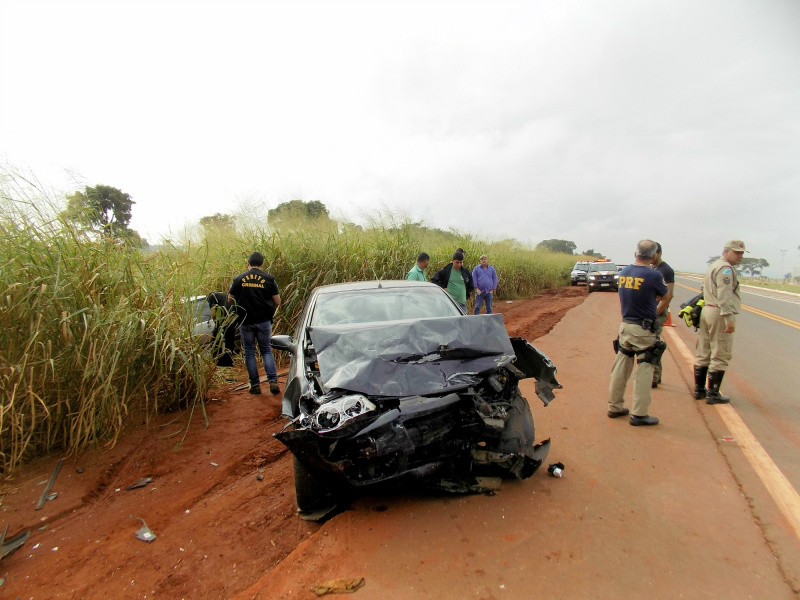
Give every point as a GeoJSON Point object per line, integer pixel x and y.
{"type": "Point", "coordinates": [717, 324]}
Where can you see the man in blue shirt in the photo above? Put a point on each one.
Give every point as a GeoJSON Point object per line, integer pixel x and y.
{"type": "Point", "coordinates": [484, 278]}
{"type": "Point", "coordinates": [640, 289]}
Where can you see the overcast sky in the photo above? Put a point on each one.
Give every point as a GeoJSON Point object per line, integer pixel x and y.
{"type": "Point", "coordinates": [597, 122]}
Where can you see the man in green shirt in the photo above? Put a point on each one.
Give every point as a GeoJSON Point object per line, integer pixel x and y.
{"type": "Point", "coordinates": [417, 272]}
{"type": "Point", "coordinates": [456, 279]}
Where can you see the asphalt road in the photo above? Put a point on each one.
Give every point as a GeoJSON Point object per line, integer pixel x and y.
{"type": "Point", "coordinates": [763, 382]}
{"type": "Point", "coordinates": [764, 377]}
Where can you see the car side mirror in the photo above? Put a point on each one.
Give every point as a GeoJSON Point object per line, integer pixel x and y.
{"type": "Point", "coordinates": [283, 342]}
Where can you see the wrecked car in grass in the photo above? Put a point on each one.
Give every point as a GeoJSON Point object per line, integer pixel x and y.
{"type": "Point", "coordinates": [390, 381]}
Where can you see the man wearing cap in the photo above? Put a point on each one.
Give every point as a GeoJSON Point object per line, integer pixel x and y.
{"type": "Point", "coordinates": [717, 324]}
{"type": "Point", "coordinates": [663, 305]}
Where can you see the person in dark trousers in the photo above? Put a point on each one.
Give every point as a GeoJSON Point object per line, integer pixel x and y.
{"type": "Point", "coordinates": [257, 299]}
{"type": "Point", "coordinates": [225, 323]}
{"type": "Point", "coordinates": [459, 288]}
{"type": "Point", "coordinates": [717, 323]}
{"type": "Point", "coordinates": [484, 277]}
{"type": "Point", "coordinates": [640, 289]}
{"type": "Point", "coordinates": [663, 305]}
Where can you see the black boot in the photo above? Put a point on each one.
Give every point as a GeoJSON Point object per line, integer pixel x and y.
{"type": "Point", "coordinates": [714, 381]}
{"type": "Point", "coordinates": [700, 374]}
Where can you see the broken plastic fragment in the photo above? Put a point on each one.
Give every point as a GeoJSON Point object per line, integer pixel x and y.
{"type": "Point", "coordinates": [145, 533]}
{"type": "Point", "coordinates": [10, 545]}
{"type": "Point", "coordinates": [728, 438]}
{"type": "Point", "coordinates": [556, 469]}
{"type": "Point", "coordinates": [141, 483]}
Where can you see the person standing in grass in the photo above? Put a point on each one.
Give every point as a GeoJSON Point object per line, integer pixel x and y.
{"type": "Point", "coordinates": [417, 272]}
{"type": "Point", "coordinates": [257, 299]}
{"type": "Point", "coordinates": [484, 277]}
{"type": "Point", "coordinates": [225, 323]}
{"type": "Point", "coordinates": [456, 280]}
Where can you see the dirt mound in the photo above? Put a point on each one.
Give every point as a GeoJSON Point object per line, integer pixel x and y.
{"type": "Point", "coordinates": [221, 502]}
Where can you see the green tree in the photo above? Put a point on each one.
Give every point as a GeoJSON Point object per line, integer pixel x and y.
{"type": "Point", "coordinates": [591, 252]}
{"type": "Point", "coordinates": [297, 210]}
{"type": "Point", "coordinates": [562, 246]}
{"type": "Point", "coordinates": [219, 223]}
{"type": "Point", "coordinates": [754, 266]}
{"type": "Point", "coordinates": [102, 209]}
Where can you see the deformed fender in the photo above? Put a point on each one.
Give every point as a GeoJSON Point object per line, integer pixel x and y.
{"type": "Point", "coordinates": [533, 363]}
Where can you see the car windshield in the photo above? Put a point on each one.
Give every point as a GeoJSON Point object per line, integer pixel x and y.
{"type": "Point", "coordinates": [581, 266]}
{"type": "Point", "coordinates": [387, 304]}
{"type": "Point", "coordinates": [604, 266]}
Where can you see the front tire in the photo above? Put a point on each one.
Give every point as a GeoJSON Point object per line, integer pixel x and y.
{"type": "Point", "coordinates": [310, 493]}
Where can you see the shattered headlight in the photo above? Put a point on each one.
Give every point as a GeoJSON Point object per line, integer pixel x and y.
{"type": "Point", "coordinates": [337, 413]}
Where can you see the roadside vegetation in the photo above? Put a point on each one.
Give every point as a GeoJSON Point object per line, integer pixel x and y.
{"type": "Point", "coordinates": [96, 330]}
{"type": "Point", "coordinates": [774, 284]}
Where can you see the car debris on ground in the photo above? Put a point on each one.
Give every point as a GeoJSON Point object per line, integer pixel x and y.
{"type": "Point", "coordinates": [46, 495]}
{"type": "Point", "coordinates": [144, 533]}
{"type": "Point", "coordinates": [8, 546]}
{"type": "Point", "coordinates": [140, 484]}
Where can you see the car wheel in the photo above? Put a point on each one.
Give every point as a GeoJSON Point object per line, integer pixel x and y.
{"type": "Point", "coordinates": [590, 289]}
{"type": "Point", "coordinates": [311, 494]}
{"type": "Point", "coordinates": [573, 283]}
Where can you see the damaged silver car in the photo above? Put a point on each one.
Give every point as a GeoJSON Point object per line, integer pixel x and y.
{"type": "Point", "coordinates": [390, 381]}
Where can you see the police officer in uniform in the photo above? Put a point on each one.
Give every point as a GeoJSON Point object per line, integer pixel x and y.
{"type": "Point", "coordinates": [640, 289]}
{"type": "Point", "coordinates": [257, 299]}
{"type": "Point", "coordinates": [663, 305]}
{"type": "Point", "coordinates": [717, 324]}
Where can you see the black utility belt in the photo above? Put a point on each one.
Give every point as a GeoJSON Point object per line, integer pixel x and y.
{"type": "Point", "coordinates": [648, 324]}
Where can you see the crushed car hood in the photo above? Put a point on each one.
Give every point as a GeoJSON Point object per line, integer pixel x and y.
{"type": "Point", "coordinates": [413, 357]}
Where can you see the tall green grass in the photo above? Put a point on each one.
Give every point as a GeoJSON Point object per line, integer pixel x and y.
{"type": "Point", "coordinates": [91, 333]}
{"type": "Point", "coordinates": [304, 257]}
{"type": "Point", "coordinates": [95, 334]}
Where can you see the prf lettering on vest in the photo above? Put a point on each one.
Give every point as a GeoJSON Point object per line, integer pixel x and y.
{"type": "Point", "coordinates": [632, 283]}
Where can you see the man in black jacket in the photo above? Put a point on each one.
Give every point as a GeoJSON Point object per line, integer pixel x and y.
{"type": "Point", "coordinates": [257, 299]}
{"type": "Point", "coordinates": [460, 288]}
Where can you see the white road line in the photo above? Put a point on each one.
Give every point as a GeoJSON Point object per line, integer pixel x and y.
{"type": "Point", "coordinates": [783, 494]}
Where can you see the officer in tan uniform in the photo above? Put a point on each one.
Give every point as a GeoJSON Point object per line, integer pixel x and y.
{"type": "Point", "coordinates": [717, 324]}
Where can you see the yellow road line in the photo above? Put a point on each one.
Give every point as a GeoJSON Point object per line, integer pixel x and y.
{"type": "Point", "coordinates": [780, 489]}
{"type": "Point", "coordinates": [761, 313]}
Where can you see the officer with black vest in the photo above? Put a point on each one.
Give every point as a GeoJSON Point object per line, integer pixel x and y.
{"type": "Point", "coordinates": [640, 289]}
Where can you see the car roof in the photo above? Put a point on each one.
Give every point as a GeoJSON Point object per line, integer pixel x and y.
{"type": "Point", "coordinates": [373, 285]}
